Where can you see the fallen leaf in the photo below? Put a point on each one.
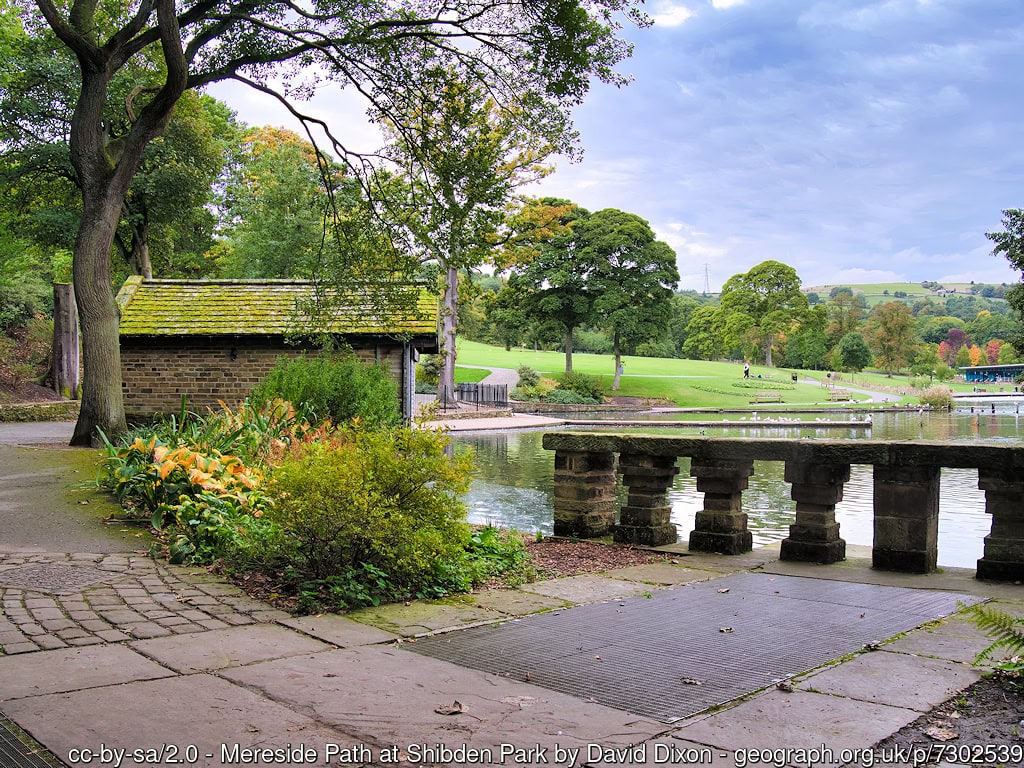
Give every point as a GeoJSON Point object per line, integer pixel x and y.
{"type": "Point", "coordinates": [871, 646]}
{"type": "Point", "coordinates": [784, 686]}
{"type": "Point", "coordinates": [941, 734]}
{"type": "Point", "coordinates": [455, 708]}
{"type": "Point", "coordinates": [726, 630]}
{"type": "Point", "coordinates": [598, 658]}
{"type": "Point", "coordinates": [723, 591]}
{"type": "Point", "coordinates": [329, 674]}
{"type": "Point", "coordinates": [691, 681]}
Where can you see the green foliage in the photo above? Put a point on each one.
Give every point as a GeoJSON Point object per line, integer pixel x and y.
{"type": "Point", "coordinates": [594, 342]}
{"type": "Point", "coordinates": [1008, 635]}
{"type": "Point", "coordinates": [534, 392]}
{"type": "Point", "coordinates": [937, 397]}
{"type": "Point", "coordinates": [568, 397]}
{"type": "Point", "coordinates": [336, 387]}
{"type": "Point", "coordinates": [495, 552]}
{"type": "Point", "coordinates": [582, 384]}
{"type": "Point", "coordinates": [527, 376]}
{"type": "Point", "coordinates": [383, 498]}
{"type": "Point", "coordinates": [852, 353]}
{"type": "Point", "coordinates": [429, 368]}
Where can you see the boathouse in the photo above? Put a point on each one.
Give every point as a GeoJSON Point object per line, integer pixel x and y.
{"type": "Point", "coordinates": [214, 340]}
{"type": "Point", "coordinates": [992, 374]}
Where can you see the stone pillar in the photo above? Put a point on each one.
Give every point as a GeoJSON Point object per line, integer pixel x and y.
{"type": "Point", "coordinates": [584, 493]}
{"type": "Point", "coordinates": [722, 525]}
{"type": "Point", "coordinates": [644, 519]}
{"type": "Point", "coordinates": [906, 518]}
{"type": "Point", "coordinates": [817, 488]}
{"type": "Point", "coordinates": [1003, 559]}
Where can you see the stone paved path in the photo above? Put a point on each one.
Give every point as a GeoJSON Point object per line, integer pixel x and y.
{"type": "Point", "coordinates": [56, 600]}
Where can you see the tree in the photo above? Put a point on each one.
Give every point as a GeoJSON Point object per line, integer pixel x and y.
{"type": "Point", "coordinates": [807, 347]}
{"type": "Point", "coordinates": [704, 335]}
{"type": "Point", "coordinates": [275, 204]}
{"type": "Point", "coordinates": [846, 310]}
{"type": "Point", "coordinates": [852, 353]}
{"type": "Point", "coordinates": [762, 303]}
{"type": "Point", "coordinates": [890, 334]}
{"type": "Point", "coordinates": [555, 277]}
{"type": "Point", "coordinates": [541, 55]}
{"type": "Point", "coordinates": [632, 280]}
{"type": "Point", "coordinates": [462, 156]}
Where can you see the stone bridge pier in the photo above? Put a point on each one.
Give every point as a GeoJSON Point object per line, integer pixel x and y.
{"type": "Point", "coordinates": [905, 494]}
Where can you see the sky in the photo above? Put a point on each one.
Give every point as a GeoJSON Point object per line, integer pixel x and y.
{"type": "Point", "coordinates": [858, 141]}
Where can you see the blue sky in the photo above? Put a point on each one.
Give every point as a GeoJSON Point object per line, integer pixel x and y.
{"type": "Point", "coordinates": [856, 140]}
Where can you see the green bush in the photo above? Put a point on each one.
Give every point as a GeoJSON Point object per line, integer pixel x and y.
{"type": "Point", "coordinates": [336, 387]}
{"type": "Point", "coordinates": [493, 552]}
{"type": "Point", "coordinates": [382, 501]}
{"type": "Point", "coordinates": [527, 376]}
{"type": "Point", "coordinates": [582, 384]}
{"type": "Point", "coordinates": [428, 370]}
{"type": "Point", "coordinates": [568, 397]}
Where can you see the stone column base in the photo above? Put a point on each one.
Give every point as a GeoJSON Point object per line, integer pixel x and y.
{"type": "Point", "coordinates": [645, 535]}
{"type": "Point", "coordinates": [735, 543]}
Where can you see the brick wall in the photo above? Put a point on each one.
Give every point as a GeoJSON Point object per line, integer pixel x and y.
{"type": "Point", "coordinates": [156, 372]}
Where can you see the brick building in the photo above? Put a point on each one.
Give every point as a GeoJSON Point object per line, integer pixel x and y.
{"type": "Point", "coordinates": [213, 340]}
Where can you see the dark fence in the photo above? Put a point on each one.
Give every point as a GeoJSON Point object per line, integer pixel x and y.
{"type": "Point", "coordinates": [477, 395]}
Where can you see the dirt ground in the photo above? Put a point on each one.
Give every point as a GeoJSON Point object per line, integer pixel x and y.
{"type": "Point", "coordinates": [987, 713]}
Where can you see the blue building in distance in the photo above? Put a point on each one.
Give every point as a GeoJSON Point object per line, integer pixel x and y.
{"type": "Point", "coordinates": [992, 374]}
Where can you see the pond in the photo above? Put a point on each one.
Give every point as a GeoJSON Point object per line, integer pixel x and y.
{"type": "Point", "coordinates": [512, 485]}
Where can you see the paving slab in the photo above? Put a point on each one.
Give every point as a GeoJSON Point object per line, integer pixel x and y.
{"type": "Point", "coordinates": [192, 717]}
{"type": "Point", "coordinates": [896, 679]}
{"type": "Point", "coordinates": [232, 647]}
{"type": "Point", "coordinates": [395, 696]}
{"type": "Point", "coordinates": [71, 669]}
{"type": "Point", "coordinates": [664, 574]}
{"type": "Point", "coordinates": [586, 589]}
{"type": "Point", "coordinates": [798, 720]}
{"type": "Point", "coordinates": [419, 617]}
{"type": "Point", "coordinates": [339, 630]}
{"type": "Point", "coordinates": [517, 602]}
{"type": "Point", "coordinates": [954, 639]}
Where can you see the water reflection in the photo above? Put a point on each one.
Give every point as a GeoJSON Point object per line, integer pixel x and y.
{"type": "Point", "coordinates": [514, 478]}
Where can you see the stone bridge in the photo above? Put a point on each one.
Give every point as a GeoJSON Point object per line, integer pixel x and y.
{"type": "Point", "coordinates": [906, 494]}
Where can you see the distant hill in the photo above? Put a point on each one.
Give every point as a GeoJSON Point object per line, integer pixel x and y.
{"type": "Point", "coordinates": [879, 293]}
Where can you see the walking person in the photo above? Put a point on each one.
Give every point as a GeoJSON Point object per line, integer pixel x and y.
{"type": "Point", "coordinates": [746, 370]}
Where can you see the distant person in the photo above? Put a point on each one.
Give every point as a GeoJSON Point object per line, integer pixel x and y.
{"type": "Point", "coordinates": [746, 370]}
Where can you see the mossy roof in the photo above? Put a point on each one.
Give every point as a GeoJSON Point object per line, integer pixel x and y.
{"type": "Point", "coordinates": [271, 307]}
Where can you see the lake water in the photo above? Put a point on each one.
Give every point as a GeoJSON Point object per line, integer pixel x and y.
{"type": "Point", "coordinates": [512, 486]}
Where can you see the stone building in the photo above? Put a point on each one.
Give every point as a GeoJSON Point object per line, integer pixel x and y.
{"type": "Point", "coordinates": [213, 340]}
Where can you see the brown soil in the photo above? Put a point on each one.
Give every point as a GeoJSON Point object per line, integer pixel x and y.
{"type": "Point", "coordinates": [987, 713]}
{"type": "Point", "coordinates": [553, 558]}
{"type": "Point", "coordinates": [27, 392]}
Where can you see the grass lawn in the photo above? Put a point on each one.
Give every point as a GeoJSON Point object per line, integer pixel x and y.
{"type": "Point", "coordinates": [688, 383]}
{"type": "Point", "coordinates": [465, 375]}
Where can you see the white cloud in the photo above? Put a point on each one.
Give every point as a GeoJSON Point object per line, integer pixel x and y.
{"type": "Point", "coordinates": [720, 4]}
{"type": "Point", "coordinates": [669, 14]}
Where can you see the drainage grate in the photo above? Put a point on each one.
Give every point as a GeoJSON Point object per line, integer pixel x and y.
{"type": "Point", "coordinates": [19, 750]}
{"type": "Point", "coordinates": [635, 654]}
{"type": "Point", "coordinates": [54, 578]}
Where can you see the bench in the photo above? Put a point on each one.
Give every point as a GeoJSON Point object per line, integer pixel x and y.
{"type": "Point", "coordinates": [767, 397]}
{"type": "Point", "coordinates": [839, 394]}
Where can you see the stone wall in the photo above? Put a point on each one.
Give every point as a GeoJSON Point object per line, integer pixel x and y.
{"type": "Point", "coordinates": [156, 372]}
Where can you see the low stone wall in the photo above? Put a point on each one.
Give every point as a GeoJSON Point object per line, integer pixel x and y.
{"type": "Point", "coordinates": [524, 406]}
{"type": "Point", "coordinates": [61, 410]}
{"type": "Point", "coordinates": [906, 494]}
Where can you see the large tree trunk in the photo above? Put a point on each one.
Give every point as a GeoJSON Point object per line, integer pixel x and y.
{"type": "Point", "coordinates": [449, 317]}
{"type": "Point", "coordinates": [65, 354]}
{"type": "Point", "coordinates": [102, 401]}
{"type": "Point", "coordinates": [768, 350]}
{"type": "Point", "coordinates": [568, 350]}
{"type": "Point", "coordinates": [139, 261]}
{"type": "Point", "coordinates": [617, 351]}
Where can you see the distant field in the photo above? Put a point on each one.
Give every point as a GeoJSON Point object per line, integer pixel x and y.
{"type": "Point", "coordinates": [687, 383]}
{"type": "Point", "coordinates": [875, 293]}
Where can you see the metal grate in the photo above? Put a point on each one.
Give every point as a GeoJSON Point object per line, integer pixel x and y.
{"type": "Point", "coordinates": [635, 654]}
{"type": "Point", "coordinates": [19, 750]}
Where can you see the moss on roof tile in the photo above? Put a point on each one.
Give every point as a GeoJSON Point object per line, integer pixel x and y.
{"type": "Point", "coordinates": [271, 307]}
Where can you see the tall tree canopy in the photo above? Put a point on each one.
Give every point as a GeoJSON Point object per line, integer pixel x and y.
{"type": "Point", "coordinates": [538, 55]}
{"type": "Point", "coordinates": [759, 304]}
{"type": "Point", "coordinates": [1010, 243]}
{"type": "Point", "coordinates": [633, 279]}
{"type": "Point", "coordinates": [889, 331]}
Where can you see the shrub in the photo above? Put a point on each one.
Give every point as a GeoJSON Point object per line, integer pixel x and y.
{"type": "Point", "coordinates": [527, 376]}
{"type": "Point", "coordinates": [937, 397]}
{"type": "Point", "coordinates": [383, 502]}
{"type": "Point", "coordinates": [567, 397]}
{"type": "Point", "coordinates": [535, 392]}
{"type": "Point", "coordinates": [336, 387]}
{"type": "Point", "coordinates": [428, 370]}
{"type": "Point", "coordinates": [1007, 633]}
{"type": "Point", "coordinates": [582, 384]}
{"type": "Point", "coordinates": [494, 552]}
